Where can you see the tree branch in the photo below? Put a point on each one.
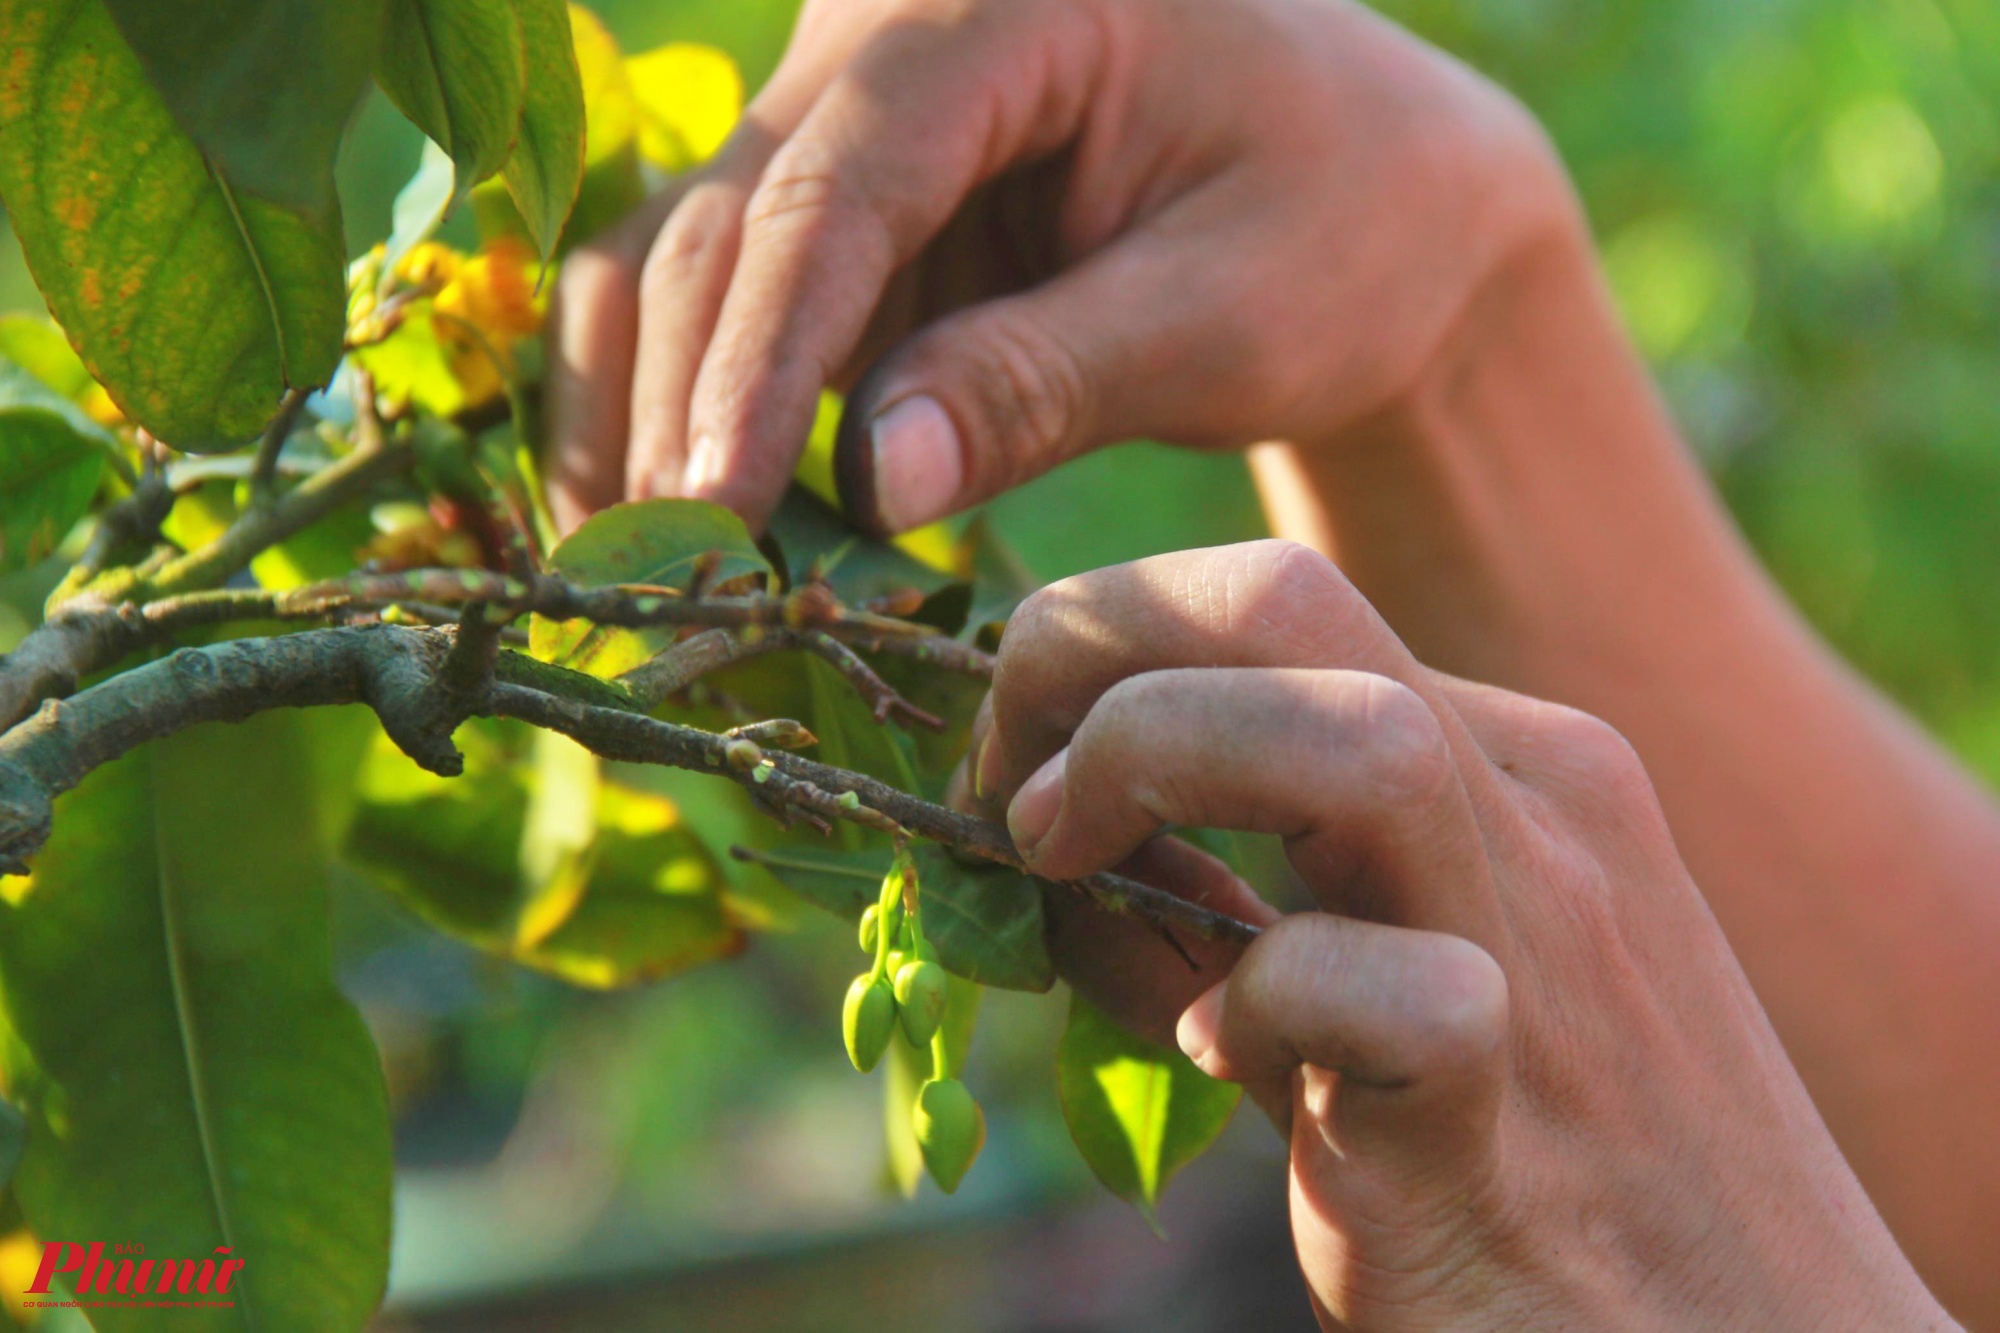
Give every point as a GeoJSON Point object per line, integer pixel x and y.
{"type": "Point", "coordinates": [90, 632]}
{"type": "Point", "coordinates": [400, 673]}
{"type": "Point", "coordinates": [264, 467]}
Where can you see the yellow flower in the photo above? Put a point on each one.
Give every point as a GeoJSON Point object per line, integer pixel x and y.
{"type": "Point", "coordinates": [494, 292]}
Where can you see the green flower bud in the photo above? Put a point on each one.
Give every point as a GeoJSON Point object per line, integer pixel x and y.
{"type": "Point", "coordinates": [871, 928]}
{"type": "Point", "coordinates": [920, 997]}
{"type": "Point", "coordinates": [868, 1020]}
{"type": "Point", "coordinates": [950, 1128]}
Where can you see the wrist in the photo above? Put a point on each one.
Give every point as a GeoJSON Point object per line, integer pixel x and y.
{"type": "Point", "coordinates": [1526, 508]}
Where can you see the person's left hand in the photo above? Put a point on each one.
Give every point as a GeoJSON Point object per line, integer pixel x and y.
{"type": "Point", "coordinates": [1524, 1081]}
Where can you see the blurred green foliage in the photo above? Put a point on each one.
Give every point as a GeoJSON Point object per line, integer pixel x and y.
{"type": "Point", "coordinates": [1799, 202]}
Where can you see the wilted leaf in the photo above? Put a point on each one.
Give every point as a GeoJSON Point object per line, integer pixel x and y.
{"type": "Point", "coordinates": [1137, 1112]}
{"type": "Point", "coordinates": [547, 166]}
{"type": "Point", "coordinates": [651, 541]}
{"type": "Point", "coordinates": [191, 1076]}
{"type": "Point", "coordinates": [456, 69]}
{"type": "Point", "coordinates": [195, 302]}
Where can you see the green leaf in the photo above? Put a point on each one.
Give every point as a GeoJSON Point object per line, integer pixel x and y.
{"type": "Point", "coordinates": [841, 882]}
{"type": "Point", "coordinates": [263, 87]}
{"type": "Point", "coordinates": [51, 459]}
{"type": "Point", "coordinates": [546, 170]}
{"type": "Point", "coordinates": [37, 345]}
{"type": "Point", "coordinates": [986, 922]}
{"type": "Point", "coordinates": [651, 541]}
{"type": "Point", "coordinates": [191, 1075]}
{"type": "Point", "coordinates": [457, 69]}
{"type": "Point", "coordinates": [13, 1140]}
{"type": "Point", "coordinates": [646, 898]}
{"type": "Point", "coordinates": [812, 531]}
{"type": "Point", "coordinates": [195, 302]}
{"type": "Point", "coordinates": [421, 204]}
{"type": "Point", "coordinates": [48, 475]}
{"type": "Point", "coordinates": [1137, 1112]}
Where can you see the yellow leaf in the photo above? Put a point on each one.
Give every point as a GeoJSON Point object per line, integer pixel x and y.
{"type": "Point", "coordinates": [689, 97]}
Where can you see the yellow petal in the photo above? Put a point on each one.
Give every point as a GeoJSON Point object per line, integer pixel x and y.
{"type": "Point", "coordinates": [610, 111]}
{"type": "Point", "coordinates": [690, 97]}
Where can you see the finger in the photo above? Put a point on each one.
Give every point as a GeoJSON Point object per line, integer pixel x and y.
{"type": "Point", "coordinates": [1414, 1023]}
{"type": "Point", "coordinates": [995, 395]}
{"type": "Point", "coordinates": [1126, 968]}
{"type": "Point", "coordinates": [592, 331]}
{"type": "Point", "coordinates": [681, 289]}
{"type": "Point", "coordinates": [1352, 770]}
{"type": "Point", "coordinates": [1267, 603]}
{"type": "Point", "coordinates": [852, 196]}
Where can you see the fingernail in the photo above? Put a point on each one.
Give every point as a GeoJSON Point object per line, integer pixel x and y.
{"type": "Point", "coordinates": [704, 467]}
{"type": "Point", "coordinates": [986, 767]}
{"type": "Point", "coordinates": [1201, 1024]}
{"type": "Point", "coordinates": [918, 465]}
{"type": "Point", "coordinates": [1033, 812]}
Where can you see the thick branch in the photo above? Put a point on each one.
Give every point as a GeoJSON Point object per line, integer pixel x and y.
{"type": "Point", "coordinates": [91, 632]}
{"type": "Point", "coordinates": [397, 672]}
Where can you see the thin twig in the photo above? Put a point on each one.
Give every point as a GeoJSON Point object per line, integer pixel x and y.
{"type": "Point", "coordinates": [264, 468]}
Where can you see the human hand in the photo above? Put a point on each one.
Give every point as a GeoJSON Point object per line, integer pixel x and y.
{"type": "Point", "coordinates": [1524, 1081]}
{"type": "Point", "coordinates": [1047, 225]}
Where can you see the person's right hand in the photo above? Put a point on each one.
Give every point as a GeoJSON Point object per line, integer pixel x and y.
{"type": "Point", "coordinates": [1524, 1082]}
{"type": "Point", "coordinates": [1047, 225]}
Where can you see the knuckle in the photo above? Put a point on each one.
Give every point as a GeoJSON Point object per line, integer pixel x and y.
{"type": "Point", "coordinates": [1286, 591]}
{"type": "Point", "coordinates": [1464, 1018]}
{"type": "Point", "coordinates": [1035, 391]}
{"type": "Point", "coordinates": [1402, 744]}
{"type": "Point", "coordinates": [1030, 646]}
{"type": "Point", "coordinates": [1595, 752]}
{"type": "Point", "coordinates": [693, 233]}
{"type": "Point", "coordinates": [798, 190]}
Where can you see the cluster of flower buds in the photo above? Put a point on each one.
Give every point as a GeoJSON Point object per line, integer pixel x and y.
{"type": "Point", "coordinates": [906, 987]}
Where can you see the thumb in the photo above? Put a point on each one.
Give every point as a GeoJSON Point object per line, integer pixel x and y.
{"type": "Point", "coordinates": [997, 394]}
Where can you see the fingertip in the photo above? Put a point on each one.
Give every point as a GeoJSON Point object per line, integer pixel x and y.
{"type": "Point", "coordinates": [854, 463]}
{"type": "Point", "coordinates": [1034, 808]}
{"type": "Point", "coordinates": [1200, 1028]}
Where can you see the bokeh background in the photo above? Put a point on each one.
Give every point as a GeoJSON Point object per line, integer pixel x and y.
{"type": "Point", "coordinates": [1799, 204]}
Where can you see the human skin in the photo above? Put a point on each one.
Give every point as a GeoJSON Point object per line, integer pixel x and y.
{"type": "Point", "coordinates": [1524, 1082]}
{"type": "Point", "coordinates": [1220, 222]}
